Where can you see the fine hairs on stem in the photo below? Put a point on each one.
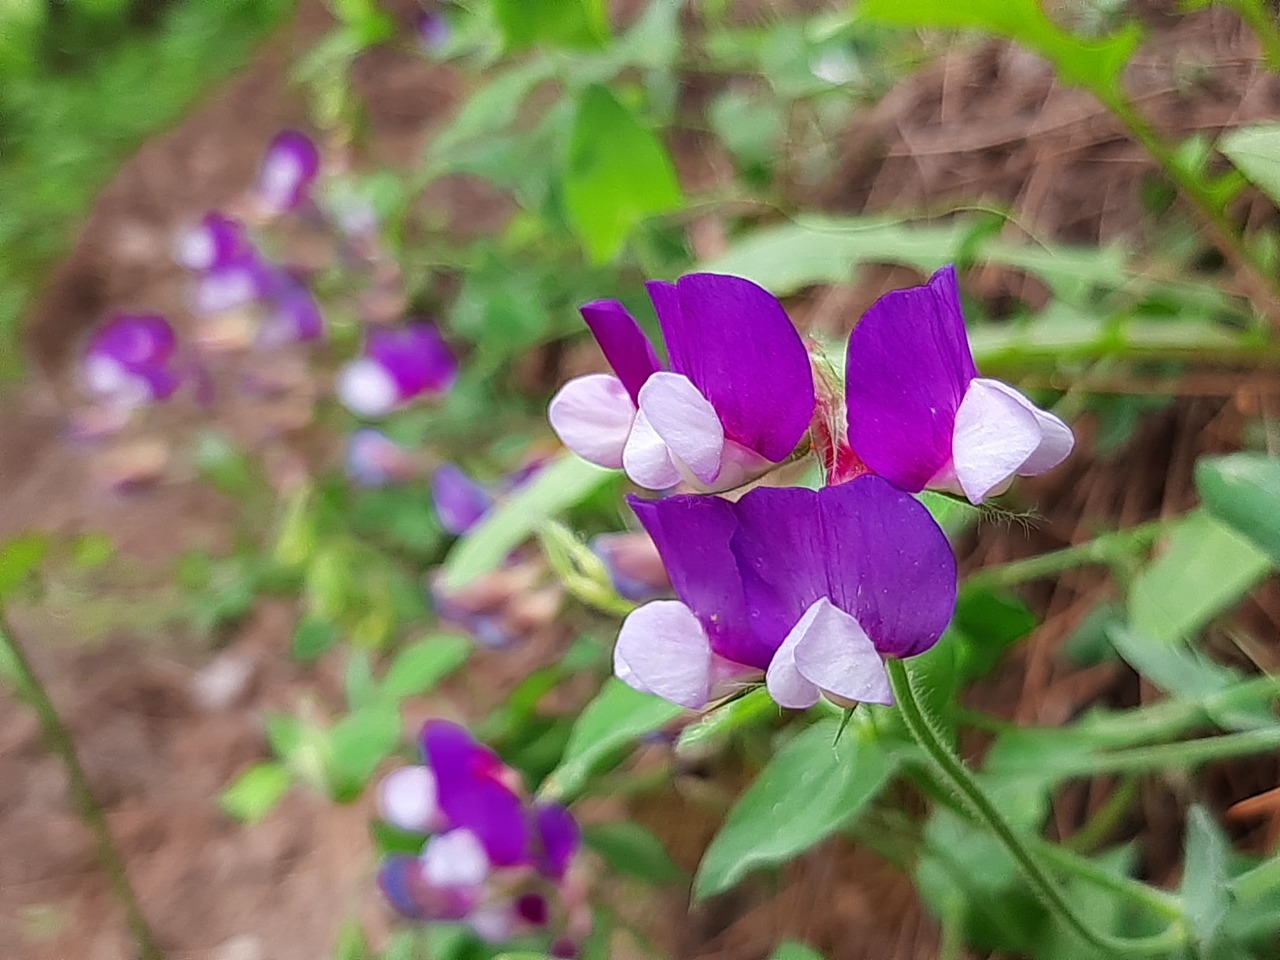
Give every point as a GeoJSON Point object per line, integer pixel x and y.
{"type": "Point", "coordinates": [58, 738]}
{"type": "Point", "coordinates": [957, 776]}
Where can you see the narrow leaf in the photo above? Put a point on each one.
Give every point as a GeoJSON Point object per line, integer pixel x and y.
{"type": "Point", "coordinates": [420, 666]}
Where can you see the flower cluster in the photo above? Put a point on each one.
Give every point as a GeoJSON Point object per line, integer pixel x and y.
{"type": "Point", "coordinates": [490, 856]}
{"type": "Point", "coordinates": [814, 589]}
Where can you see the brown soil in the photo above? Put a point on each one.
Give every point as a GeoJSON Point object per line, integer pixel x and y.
{"type": "Point", "coordinates": [985, 123]}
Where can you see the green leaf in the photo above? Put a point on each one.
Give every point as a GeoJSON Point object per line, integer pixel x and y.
{"type": "Point", "coordinates": [631, 849]}
{"type": "Point", "coordinates": [708, 733]}
{"type": "Point", "coordinates": [18, 558]}
{"type": "Point", "coordinates": [357, 744]}
{"type": "Point", "coordinates": [793, 950]}
{"type": "Point", "coordinates": [1205, 894]}
{"type": "Point", "coordinates": [616, 717]}
{"type": "Point", "coordinates": [617, 175]}
{"type": "Point", "coordinates": [567, 23]}
{"type": "Point", "coordinates": [1092, 63]}
{"type": "Point", "coordinates": [1243, 491]}
{"type": "Point", "coordinates": [359, 684]}
{"type": "Point", "coordinates": [420, 666]}
{"type": "Point", "coordinates": [1206, 567]}
{"type": "Point", "coordinates": [312, 637]}
{"type": "Point", "coordinates": [811, 787]}
{"type": "Point", "coordinates": [256, 791]}
{"type": "Point", "coordinates": [1255, 151]}
{"type": "Point", "coordinates": [556, 488]}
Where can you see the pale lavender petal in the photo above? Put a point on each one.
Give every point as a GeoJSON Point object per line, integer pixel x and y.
{"type": "Point", "coordinates": [455, 859]}
{"type": "Point", "coordinates": [692, 534]}
{"type": "Point", "coordinates": [407, 799]}
{"type": "Point", "coordinates": [662, 649]}
{"type": "Point", "coordinates": [735, 342]}
{"type": "Point", "coordinates": [907, 369]}
{"type": "Point", "coordinates": [460, 502]}
{"type": "Point", "coordinates": [592, 416]}
{"type": "Point", "coordinates": [494, 921]}
{"type": "Point", "coordinates": [472, 792]}
{"type": "Point", "coordinates": [288, 169]}
{"type": "Point", "coordinates": [686, 422]}
{"type": "Point", "coordinates": [834, 653]}
{"type": "Point", "coordinates": [996, 432]}
{"type": "Point", "coordinates": [560, 838]}
{"type": "Point", "coordinates": [366, 388]}
{"type": "Point", "coordinates": [623, 343]}
{"type": "Point", "coordinates": [646, 458]}
{"type": "Point", "coordinates": [233, 283]}
{"type": "Point", "coordinates": [375, 460]}
{"type": "Point", "coordinates": [784, 681]}
{"type": "Point", "coordinates": [1056, 440]}
{"type": "Point", "coordinates": [214, 241]}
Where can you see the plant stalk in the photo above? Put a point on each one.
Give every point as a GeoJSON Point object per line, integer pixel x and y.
{"type": "Point", "coordinates": [59, 740]}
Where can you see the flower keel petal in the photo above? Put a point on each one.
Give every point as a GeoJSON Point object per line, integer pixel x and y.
{"type": "Point", "coordinates": [646, 457]}
{"type": "Point", "coordinates": [686, 422]}
{"type": "Point", "coordinates": [662, 649]}
{"type": "Point", "coordinates": [592, 415]}
{"type": "Point", "coordinates": [835, 653]}
{"type": "Point", "coordinates": [996, 432]}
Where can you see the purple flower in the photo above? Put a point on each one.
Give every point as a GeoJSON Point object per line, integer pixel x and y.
{"type": "Point", "coordinates": [237, 281]}
{"type": "Point", "coordinates": [813, 587]}
{"type": "Point", "coordinates": [633, 563]}
{"type": "Point", "coordinates": [397, 367]}
{"type": "Point", "coordinates": [433, 32]}
{"type": "Point", "coordinates": [130, 361]}
{"type": "Point", "coordinates": [460, 502]}
{"type": "Point", "coordinates": [375, 460]}
{"type": "Point", "coordinates": [736, 400]}
{"type": "Point", "coordinates": [292, 315]}
{"type": "Point", "coordinates": [213, 242]}
{"type": "Point", "coordinates": [288, 169]}
{"type": "Point", "coordinates": [919, 414]}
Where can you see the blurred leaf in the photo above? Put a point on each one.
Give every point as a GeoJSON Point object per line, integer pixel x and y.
{"type": "Point", "coordinates": [991, 623]}
{"type": "Point", "coordinates": [1173, 666]}
{"type": "Point", "coordinates": [420, 666]}
{"type": "Point", "coordinates": [358, 743]}
{"type": "Point", "coordinates": [297, 537]}
{"type": "Point", "coordinates": [751, 126]}
{"type": "Point", "coordinates": [615, 718]}
{"type": "Point", "coordinates": [808, 790]}
{"type": "Point", "coordinates": [19, 556]}
{"type": "Point", "coordinates": [792, 950]}
{"type": "Point", "coordinates": [1094, 63]}
{"type": "Point", "coordinates": [285, 734]}
{"type": "Point", "coordinates": [568, 23]}
{"type": "Point", "coordinates": [1205, 893]}
{"type": "Point", "coordinates": [617, 174]}
{"type": "Point", "coordinates": [491, 108]}
{"type": "Point", "coordinates": [223, 465]}
{"type": "Point", "coordinates": [1243, 491]}
{"type": "Point", "coordinates": [1255, 151]}
{"type": "Point", "coordinates": [312, 637]}
{"type": "Point", "coordinates": [91, 550]}
{"type": "Point", "coordinates": [556, 487]}
{"type": "Point", "coordinates": [350, 943]}
{"type": "Point", "coordinates": [1206, 567]}
{"type": "Point", "coordinates": [359, 684]}
{"type": "Point", "coordinates": [629, 848]}
{"type": "Point", "coordinates": [256, 792]}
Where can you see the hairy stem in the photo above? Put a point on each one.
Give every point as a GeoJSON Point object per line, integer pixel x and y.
{"type": "Point", "coordinates": [958, 778]}
{"type": "Point", "coordinates": [60, 742]}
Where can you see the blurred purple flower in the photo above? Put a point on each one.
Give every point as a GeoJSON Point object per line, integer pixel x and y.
{"type": "Point", "coordinates": [433, 32]}
{"type": "Point", "coordinates": [813, 587]}
{"type": "Point", "coordinates": [214, 241]}
{"type": "Point", "coordinates": [737, 400]}
{"type": "Point", "coordinates": [130, 362]}
{"type": "Point", "coordinates": [397, 367]}
{"type": "Point", "coordinates": [375, 460]}
{"type": "Point", "coordinates": [289, 167]}
{"type": "Point", "coordinates": [460, 502]}
{"type": "Point", "coordinates": [634, 566]}
{"type": "Point", "coordinates": [292, 313]}
{"type": "Point", "coordinates": [919, 414]}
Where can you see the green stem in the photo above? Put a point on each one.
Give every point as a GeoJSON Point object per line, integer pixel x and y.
{"type": "Point", "coordinates": [60, 742]}
{"type": "Point", "coordinates": [1103, 823]}
{"type": "Point", "coordinates": [958, 777]}
{"type": "Point", "coordinates": [1106, 549]}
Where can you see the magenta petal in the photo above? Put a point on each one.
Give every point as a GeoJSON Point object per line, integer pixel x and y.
{"type": "Point", "coordinates": [460, 502]}
{"type": "Point", "coordinates": [623, 343]}
{"type": "Point", "coordinates": [692, 534]}
{"type": "Point", "coordinates": [735, 342]}
{"type": "Point", "coordinates": [289, 167]}
{"type": "Point", "coordinates": [560, 837]}
{"type": "Point", "coordinates": [906, 372]}
{"type": "Point", "coordinates": [472, 794]}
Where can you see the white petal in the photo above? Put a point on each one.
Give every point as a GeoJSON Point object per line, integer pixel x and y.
{"type": "Point", "coordinates": [662, 649]}
{"type": "Point", "coordinates": [994, 435]}
{"type": "Point", "coordinates": [366, 389]}
{"type": "Point", "coordinates": [783, 679]}
{"type": "Point", "coordinates": [407, 799]}
{"type": "Point", "coordinates": [686, 421]}
{"type": "Point", "coordinates": [1056, 440]}
{"type": "Point", "coordinates": [835, 653]}
{"type": "Point", "coordinates": [646, 457]}
{"type": "Point", "coordinates": [495, 921]}
{"type": "Point", "coordinates": [592, 415]}
{"type": "Point", "coordinates": [455, 859]}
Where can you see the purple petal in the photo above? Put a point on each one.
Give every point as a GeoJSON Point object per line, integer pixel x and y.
{"type": "Point", "coordinates": [128, 361]}
{"type": "Point", "coordinates": [624, 344]}
{"type": "Point", "coordinates": [235, 282]}
{"type": "Point", "coordinates": [134, 340]}
{"type": "Point", "coordinates": [215, 241]}
{"type": "Point", "coordinates": [433, 31]}
{"type": "Point", "coordinates": [692, 534]}
{"type": "Point", "coordinates": [533, 909]}
{"type": "Point", "coordinates": [735, 342]}
{"type": "Point", "coordinates": [404, 886]}
{"type": "Point", "coordinates": [288, 169]}
{"type": "Point", "coordinates": [472, 794]}
{"type": "Point", "coordinates": [906, 372]}
{"type": "Point", "coordinates": [560, 839]}
{"type": "Point", "coordinates": [460, 502]}
{"type": "Point", "coordinates": [634, 567]}
{"type": "Point", "coordinates": [415, 357]}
